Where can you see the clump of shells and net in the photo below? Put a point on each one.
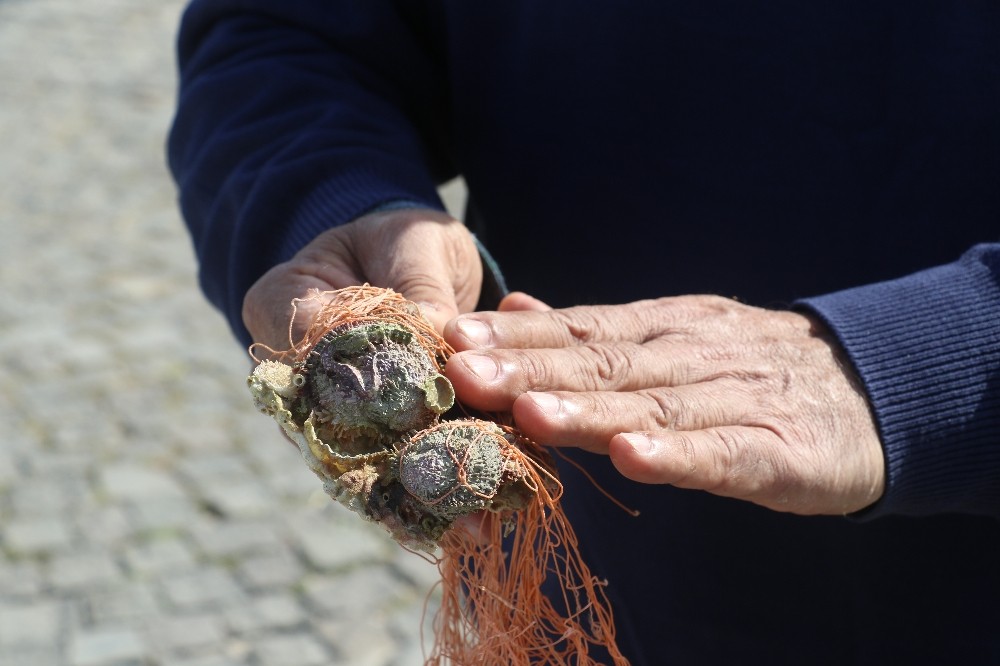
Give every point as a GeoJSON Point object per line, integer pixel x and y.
{"type": "Point", "coordinates": [363, 395]}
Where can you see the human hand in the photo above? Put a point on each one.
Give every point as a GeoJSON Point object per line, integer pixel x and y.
{"type": "Point", "coordinates": [426, 255]}
{"type": "Point", "coordinates": [696, 391]}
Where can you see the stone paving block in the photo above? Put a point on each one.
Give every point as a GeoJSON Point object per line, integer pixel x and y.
{"type": "Point", "coordinates": [32, 624]}
{"type": "Point", "coordinates": [412, 625]}
{"type": "Point", "coordinates": [83, 571]}
{"type": "Point", "coordinates": [291, 650]}
{"type": "Point", "coordinates": [38, 656]}
{"type": "Point", "coordinates": [290, 479]}
{"type": "Point", "coordinates": [421, 573]}
{"type": "Point", "coordinates": [106, 647]}
{"type": "Point", "coordinates": [105, 526]}
{"type": "Point", "coordinates": [215, 467]}
{"type": "Point", "coordinates": [20, 579]}
{"type": "Point", "coordinates": [49, 496]}
{"type": "Point", "coordinates": [274, 612]}
{"type": "Point", "coordinates": [39, 535]}
{"type": "Point", "coordinates": [9, 470]}
{"type": "Point", "coordinates": [330, 547]}
{"type": "Point", "coordinates": [158, 557]}
{"type": "Point", "coordinates": [129, 603]}
{"type": "Point", "coordinates": [359, 593]}
{"type": "Point", "coordinates": [208, 588]}
{"type": "Point", "coordinates": [155, 514]}
{"type": "Point", "coordinates": [360, 643]}
{"type": "Point", "coordinates": [270, 571]}
{"type": "Point", "coordinates": [203, 661]}
{"type": "Point", "coordinates": [182, 633]}
{"type": "Point", "coordinates": [247, 499]}
{"type": "Point", "coordinates": [236, 538]}
{"type": "Point", "coordinates": [131, 481]}
{"type": "Point", "coordinates": [201, 430]}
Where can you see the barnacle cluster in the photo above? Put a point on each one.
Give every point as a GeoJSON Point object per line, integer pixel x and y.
{"type": "Point", "coordinates": [363, 395]}
{"type": "Point", "coordinates": [364, 398]}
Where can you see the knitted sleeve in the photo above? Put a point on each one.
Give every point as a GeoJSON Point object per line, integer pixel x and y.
{"type": "Point", "coordinates": [927, 348]}
{"type": "Point", "coordinates": [294, 117]}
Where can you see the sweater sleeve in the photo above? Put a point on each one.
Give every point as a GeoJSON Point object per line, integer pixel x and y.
{"type": "Point", "coordinates": [927, 349]}
{"type": "Point", "coordinates": [294, 117]}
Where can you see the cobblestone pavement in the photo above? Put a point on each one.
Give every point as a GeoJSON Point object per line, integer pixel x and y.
{"type": "Point", "coordinates": [147, 514]}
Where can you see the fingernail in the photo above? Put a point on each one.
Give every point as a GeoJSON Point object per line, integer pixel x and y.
{"type": "Point", "coordinates": [482, 365]}
{"type": "Point", "coordinates": [475, 331]}
{"type": "Point", "coordinates": [546, 403]}
{"type": "Point", "coordinates": [640, 443]}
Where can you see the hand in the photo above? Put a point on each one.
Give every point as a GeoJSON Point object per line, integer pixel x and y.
{"type": "Point", "coordinates": [696, 391]}
{"type": "Point", "coordinates": [426, 255]}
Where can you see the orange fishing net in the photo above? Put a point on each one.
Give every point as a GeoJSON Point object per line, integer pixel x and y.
{"type": "Point", "coordinates": [364, 396]}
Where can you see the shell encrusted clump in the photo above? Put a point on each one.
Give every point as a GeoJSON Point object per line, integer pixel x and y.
{"type": "Point", "coordinates": [364, 398]}
{"type": "Point", "coordinates": [363, 395]}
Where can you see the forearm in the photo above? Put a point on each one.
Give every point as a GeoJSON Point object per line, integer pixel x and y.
{"type": "Point", "coordinates": [287, 125]}
{"type": "Point", "coordinates": [927, 348]}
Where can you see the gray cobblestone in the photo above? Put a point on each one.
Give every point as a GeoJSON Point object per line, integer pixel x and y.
{"type": "Point", "coordinates": [361, 592]}
{"type": "Point", "coordinates": [331, 547]}
{"type": "Point", "coordinates": [82, 570]}
{"type": "Point", "coordinates": [31, 624]}
{"type": "Point", "coordinates": [35, 656]}
{"type": "Point", "coordinates": [279, 611]}
{"type": "Point", "coordinates": [207, 588]}
{"type": "Point", "coordinates": [161, 514]}
{"type": "Point", "coordinates": [129, 603]}
{"type": "Point", "coordinates": [37, 535]}
{"type": "Point", "coordinates": [8, 468]}
{"type": "Point", "coordinates": [291, 650]}
{"type": "Point", "coordinates": [107, 647]}
{"type": "Point", "coordinates": [249, 499]}
{"type": "Point", "coordinates": [265, 572]}
{"type": "Point", "coordinates": [107, 525]}
{"type": "Point", "coordinates": [231, 539]}
{"type": "Point", "coordinates": [159, 557]}
{"type": "Point", "coordinates": [370, 645]}
{"type": "Point", "coordinates": [131, 481]}
{"type": "Point", "coordinates": [20, 579]}
{"type": "Point", "coordinates": [179, 634]}
{"type": "Point", "coordinates": [203, 661]}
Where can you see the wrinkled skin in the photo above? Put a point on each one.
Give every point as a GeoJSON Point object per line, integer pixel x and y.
{"type": "Point", "coordinates": [425, 255]}
{"type": "Point", "coordinates": [697, 391]}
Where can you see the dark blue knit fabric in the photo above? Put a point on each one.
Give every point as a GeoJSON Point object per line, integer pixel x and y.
{"type": "Point", "coordinates": [840, 157]}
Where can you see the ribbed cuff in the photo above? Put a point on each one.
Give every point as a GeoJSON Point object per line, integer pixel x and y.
{"type": "Point", "coordinates": [927, 348]}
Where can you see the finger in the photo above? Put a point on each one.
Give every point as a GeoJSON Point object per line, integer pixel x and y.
{"type": "Point", "coordinates": [424, 280]}
{"type": "Point", "coordinates": [744, 462]}
{"type": "Point", "coordinates": [493, 379]}
{"type": "Point", "coordinates": [591, 420]}
{"type": "Point", "coordinates": [529, 329]}
{"type": "Point", "coordinates": [518, 300]}
{"type": "Point", "coordinates": [425, 255]}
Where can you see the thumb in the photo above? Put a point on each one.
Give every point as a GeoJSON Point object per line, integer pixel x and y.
{"type": "Point", "coordinates": [425, 255]}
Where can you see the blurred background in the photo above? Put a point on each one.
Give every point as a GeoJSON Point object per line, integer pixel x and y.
{"type": "Point", "coordinates": [148, 515]}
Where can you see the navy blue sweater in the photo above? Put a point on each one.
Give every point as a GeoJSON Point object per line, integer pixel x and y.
{"type": "Point", "coordinates": [842, 157]}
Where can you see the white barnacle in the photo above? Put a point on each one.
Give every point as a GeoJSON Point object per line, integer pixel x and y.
{"type": "Point", "coordinates": [276, 377]}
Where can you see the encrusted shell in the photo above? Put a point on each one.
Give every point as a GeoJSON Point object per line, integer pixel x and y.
{"type": "Point", "coordinates": [454, 468]}
{"type": "Point", "coordinates": [373, 382]}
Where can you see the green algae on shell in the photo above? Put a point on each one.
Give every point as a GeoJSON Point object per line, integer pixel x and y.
{"type": "Point", "coordinates": [372, 382]}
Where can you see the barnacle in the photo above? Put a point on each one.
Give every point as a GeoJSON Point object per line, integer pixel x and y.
{"type": "Point", "coordinates": [364, 396]}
